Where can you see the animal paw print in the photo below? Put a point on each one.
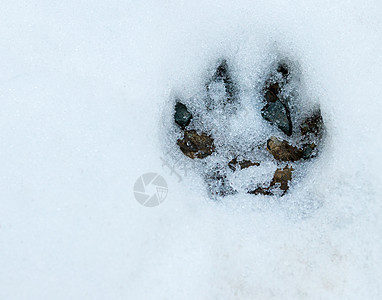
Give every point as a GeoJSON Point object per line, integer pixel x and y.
{"type": "Point", "coordinates": [234, 157]}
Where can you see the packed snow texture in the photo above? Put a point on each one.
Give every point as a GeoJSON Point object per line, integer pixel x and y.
{"type": "Point", "coordinates": [86, 89]}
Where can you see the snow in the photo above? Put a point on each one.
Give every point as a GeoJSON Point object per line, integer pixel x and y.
{"type": "Point", "coordinates": [86, 93]}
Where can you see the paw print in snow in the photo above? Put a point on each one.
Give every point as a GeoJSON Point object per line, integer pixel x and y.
{"type": "Point", "coordinates": [234, 159]}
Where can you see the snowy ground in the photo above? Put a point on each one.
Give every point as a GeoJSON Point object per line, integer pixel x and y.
{"type": "Point", "coordinates": [84, 88]}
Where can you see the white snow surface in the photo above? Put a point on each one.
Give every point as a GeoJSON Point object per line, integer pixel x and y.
{"type": "Point", "coordinates": [85, 89]}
